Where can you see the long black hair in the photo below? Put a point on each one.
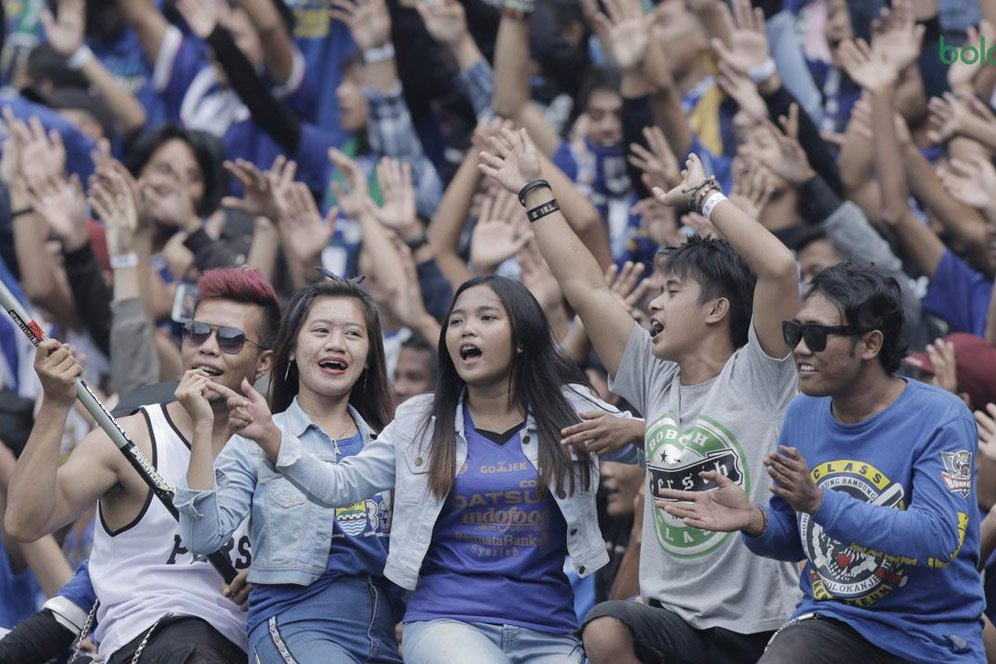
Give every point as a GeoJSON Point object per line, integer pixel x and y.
{"type": "Point", "coordinates": [537, 377]}
{"type": "Point", "coordinates": [371, 395]}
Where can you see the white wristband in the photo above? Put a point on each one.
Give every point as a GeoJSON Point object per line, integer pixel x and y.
{"type": "Point", "coordinates": [758, 74]}
{"type": "Point", "coordinates": [373, 56]}
{"type": "Point", "coordinates": [712, 201]}
{"type": "Point", "coordinates": [82, 56]}
{"type": "Point", "coordinates": [124, 260]}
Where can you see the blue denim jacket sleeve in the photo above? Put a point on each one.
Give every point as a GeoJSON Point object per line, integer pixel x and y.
{"type": "Point", "coordinates": [208, 518]}
{"type": "Point", "coordinates": [339, 484]}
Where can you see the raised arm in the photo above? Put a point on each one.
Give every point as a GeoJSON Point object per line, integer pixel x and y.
{"type": "Point", "coordinates": [776, 295]}
{"type": "Point", "coordinates": [148, 22]}
{"type": "Point", "coordinates": [44, 497]}
{"type": "Point", "coordinates": [65, 35]}
{"type": "Point", "coordinates": [281, 61]}
{"type": "Point", "coordinates": [513, 163]}
{"type": "Point", "coordinates": [330, 485]}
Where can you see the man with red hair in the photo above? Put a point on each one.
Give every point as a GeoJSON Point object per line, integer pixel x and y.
{"type": "Point", "coordinates": [155, 596]}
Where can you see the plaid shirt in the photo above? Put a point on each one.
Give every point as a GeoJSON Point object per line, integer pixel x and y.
{"type": "Point", "coordinates": [392, 134]}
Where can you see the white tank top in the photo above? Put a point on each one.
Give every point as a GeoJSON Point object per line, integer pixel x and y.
{"type": "Point", "coordinates": [142, 572]}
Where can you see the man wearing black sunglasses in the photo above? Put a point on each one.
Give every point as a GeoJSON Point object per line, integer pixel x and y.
{"type": "Point", "coordinates": [155, 596]}
{"type": "Point", "coordinates": [874, 490]}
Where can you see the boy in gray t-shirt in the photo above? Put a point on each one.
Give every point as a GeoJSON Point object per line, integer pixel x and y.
{"type": "Point", "coordinates": [713, 396]}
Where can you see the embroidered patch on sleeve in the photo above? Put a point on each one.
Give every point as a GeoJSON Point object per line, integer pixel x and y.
{"type": "Point", "coordinates": [957, 473]}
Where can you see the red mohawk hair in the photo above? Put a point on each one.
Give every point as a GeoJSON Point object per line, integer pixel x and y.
{"type": "Point", "coordinates": [245, 286]}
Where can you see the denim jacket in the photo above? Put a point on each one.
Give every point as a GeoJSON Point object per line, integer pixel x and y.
{"type": "Point", "coordinates": [290, 534]}
{"type": "Point", "coordinates": [399, 458]}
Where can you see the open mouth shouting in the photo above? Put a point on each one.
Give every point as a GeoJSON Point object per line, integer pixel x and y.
{"type": "Point", "coordinates": [656, 327]}
{"type": "Point", "coordinates": [333, 366]}
{"type": "Point", "coordinates": [469, 352]}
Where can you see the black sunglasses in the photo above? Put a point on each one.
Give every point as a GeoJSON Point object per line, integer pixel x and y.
{"type": "Point", "coordinates": [814, 334]}
{"type": "Point", "coordinates": [231, 340]}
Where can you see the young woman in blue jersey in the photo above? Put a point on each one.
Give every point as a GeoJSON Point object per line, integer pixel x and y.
{"type": "Point", "coordinates": [319, 593]}
{"type": "Point", "coordinates": [487, 501]}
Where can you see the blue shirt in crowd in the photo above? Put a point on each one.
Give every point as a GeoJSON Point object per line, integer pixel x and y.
{"type": "Point", "coordinates": [498, 546]}
{"type": "Point", "coordinates": [893, 549]}
{"type": "Point", "coordinates": [19, 592]}
{"type": "Point", "coordinates": [358, 548]}
{"type": "Point", "coordinates": [959, 295]}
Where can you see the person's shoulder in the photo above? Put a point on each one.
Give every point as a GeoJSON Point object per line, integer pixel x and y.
{"type": "Point", "coordinates": [803, 406]}
{"type": "Point", "coordinates": [933, 403]}
{"type": "Point", "coordinates": [582, 397]}
{"type": "Point", "coordinates": [417, 406]}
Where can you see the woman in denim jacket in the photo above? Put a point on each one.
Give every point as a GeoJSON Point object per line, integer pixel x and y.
{"type": "Point", "coordinates": [319, 594]}
{"type": "Point", "coordinates": [487, 501]}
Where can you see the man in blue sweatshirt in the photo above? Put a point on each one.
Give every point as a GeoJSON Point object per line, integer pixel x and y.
{"type": "Point", "coordinates": [874, 489]}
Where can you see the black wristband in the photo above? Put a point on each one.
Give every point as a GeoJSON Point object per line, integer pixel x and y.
{"type": "Point", "coordinates": [20, 213]}
{"type": "Point", "coordinates": [529, 186]}
{"type": "Point", "coordinates": [417, 243]}
{"type": "Point", "coordinates": [541, 211]}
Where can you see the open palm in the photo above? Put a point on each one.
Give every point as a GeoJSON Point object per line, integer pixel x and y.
{"type": "Point", "coordinates": [725, 508]}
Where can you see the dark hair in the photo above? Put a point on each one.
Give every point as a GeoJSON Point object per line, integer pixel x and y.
{"type": "Point", "coordinates": [239, 284]}
{"type": "Point", "coordinates": [420, 344]}
{"type": "Point", "coordinates": [371, 395]}
{"type": "Point", "coordinates": [868, 300]}
{"type": "Point", "coordinates": [720, 272]}
{"type": "Point", "coordinates": [538, 375]}
{"type": "Point", "coordinates": [206, 149]}
{"type": "Point", "coordinates": [808, 237]}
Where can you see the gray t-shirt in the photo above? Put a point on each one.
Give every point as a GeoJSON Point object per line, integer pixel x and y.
{"type": "Point", "coordinates": [729, 423]}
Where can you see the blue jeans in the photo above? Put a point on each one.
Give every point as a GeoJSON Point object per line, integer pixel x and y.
{"type": "Point", "coordinates": [351, 621]}
{"type": "Point", "coordinates": [446, 641]}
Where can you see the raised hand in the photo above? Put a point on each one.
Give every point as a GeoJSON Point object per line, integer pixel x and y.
{"type": "Point", "coordinates": [194, 396]}
{"type": "Point", "coordinates": [657, 221]}
{"type": "Point", "coordinates": [60, 203]}
{"type": "Point", "coordinates": [444, 21]}
{"type": "Point", "coordinates": [65, 34]}
{"type": "Point", "coordinates": [58, 369]}
{"type": "Point", "coordinates": [202, 16]}
{"type": "Point", "coordinates": [725, 508]}
{"type": "Point", "coordinates": [628, 30]}
{"type": "Point", "coordinates": [792, 481]}
{"type": "Point", "coordinates": [986, 419]}
{"type": "Point", "coordinates": [742, 90]}
{"type": "Point", "coordinates": [261, 189]}
{"type": "Point", "coordinates": [896, 37]}
{"type": "Point", "coordinates": [789, 160]}
{"type": "Point", "coordinates": [659, 167]}
{"type": "Point", "coordinates": [500, 233]}
{"type": "Point", "coordinates": [692, 178]}
{"type": "Point", "coordinates": [304, 234]}
{"type": "Point", "coordinates": [485, 129]}
{"type": "Point", "coordinates": [865, 67]}
{"type": "Point", "coordinates": [628, 288]}
{"type": "Point", "coordinates": [405, 297]}
{"type": "Point", "coordinates": [352, 202]}
{"type": "Point", "coordinates": [973, 184]}
{"type": "Point", "coordinates": [535, 275]}
{"type": "Point", "coordinates": [701, 226]}
{"type": "Point", "coordinates": [749, 44]}
{"type": "Point", "coordinates": [752, 192]}
{"type": "Point", "coordinates": [949, 117]}
{"type": "Point", "coordinates": [512, 161]}
{"type": "Point", "coordinates": [942, 356]}
{"type": "Point", "coordinates": [961, 75]}
{"type": "Point", "coordinates": [41, 155]}
{"type": "Point", "coordinates": [398, 210]}
{"type": "Point", "coordinates": [250, 416]}
{"type": "Point", "coordinates": [115, 205]}
{"type": "Point", "coordinates": [367, 20]}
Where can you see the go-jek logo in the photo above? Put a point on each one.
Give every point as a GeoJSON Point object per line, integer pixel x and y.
{"type": "Point", "coordinates": [967, 54]}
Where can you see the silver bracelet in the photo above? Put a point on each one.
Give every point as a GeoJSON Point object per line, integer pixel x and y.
{"type": "Point", "coordinates": [758, 74]}
{"type": "Point", "coordinates": [124, 260]}
{"type": "Point", "coordinates": [80, 57]}
{"type": "Point", "coordinates": [378, 54]}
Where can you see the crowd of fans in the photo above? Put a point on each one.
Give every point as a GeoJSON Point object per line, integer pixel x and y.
{"type": "Point", "coordinates": [437, 319]}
